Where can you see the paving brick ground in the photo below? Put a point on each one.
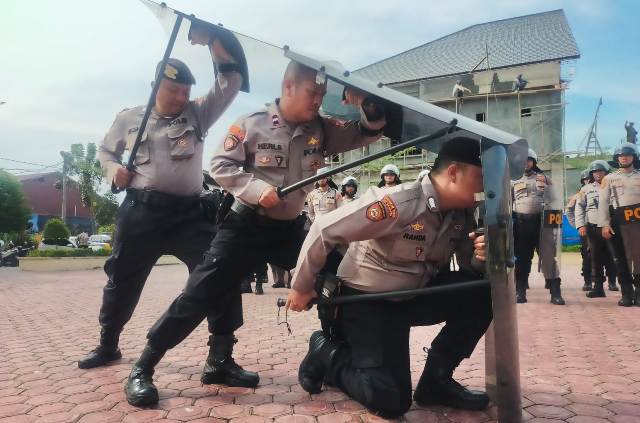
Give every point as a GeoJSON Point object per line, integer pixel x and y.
{"type": "Point", "coordinates": [579, 363]}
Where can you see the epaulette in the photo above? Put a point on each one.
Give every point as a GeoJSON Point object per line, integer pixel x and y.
{"type": "Point", "coordinates": [408, 193]}
{"type": "Point", "coordinates": [259, 112]}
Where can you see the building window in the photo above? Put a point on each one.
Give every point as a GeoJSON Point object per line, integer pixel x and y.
{"type": "Point", "coordinates": [480, 117]}
{"type": "Point", "coordinates": [525, 112]}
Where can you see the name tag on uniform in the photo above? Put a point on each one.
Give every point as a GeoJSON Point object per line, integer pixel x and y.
{"type": "Point", "coordinates": [520, 186]}
{"type": "Point", "coordinates": [552, 218]}
{"type": "Point", "coordinates": [628, 214]}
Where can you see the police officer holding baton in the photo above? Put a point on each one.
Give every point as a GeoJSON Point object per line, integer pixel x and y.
{"type": "Point", "coordinates": [161, 213]}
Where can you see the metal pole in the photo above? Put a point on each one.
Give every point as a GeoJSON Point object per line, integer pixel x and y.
{"type": "Point", "coordinates": [387, 151]}
{"type": "Point", "coordinates": [65, 169]}
{"type": "Point", "coordinates": [154, 91]}
{"type": "Point", "coordinates": [501, 342]}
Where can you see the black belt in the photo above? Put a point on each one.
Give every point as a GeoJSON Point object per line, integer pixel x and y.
{"type": "Point", "coordinates": [526, 216]}
{"type": "Point", "coordinates": [247, 212]}
{"type": "Point", "coordinates": [162, 199]}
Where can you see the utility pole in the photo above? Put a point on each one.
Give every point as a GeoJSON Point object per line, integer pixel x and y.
{"type": "Point", "coordinates": [66, 161]}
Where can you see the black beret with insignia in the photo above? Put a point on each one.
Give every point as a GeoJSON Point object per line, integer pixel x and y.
{"type": "Point", "coordinates": [176, 71]}
{"type": "Point", "coordinates": [461, 149]}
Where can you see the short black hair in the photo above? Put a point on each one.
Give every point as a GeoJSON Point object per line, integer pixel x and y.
{"type": "Point", "coordinates": [460, 150]}
{"type": "Point", "coordinates": [298, 72]}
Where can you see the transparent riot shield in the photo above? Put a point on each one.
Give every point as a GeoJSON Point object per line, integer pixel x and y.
{"type": "Point", "coordinates": [550, 244]}
{"type": "Point", "coordinates": [408, 120]}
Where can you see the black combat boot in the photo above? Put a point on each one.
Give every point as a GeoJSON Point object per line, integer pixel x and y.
{"type": "Point", "coordinates": [588, 285]}
{"type": "Point", "coordinates": [104, 353]}
{"type": "Point", "coordinates": [279, 284]}
{"type": "Point", "coordinates": [139, 388]}
{"type": "Point", "coordinates": [436, 386]}
{"type": "Point", "coordinates": [221, 368]}
{"type": "Point", "coordinates": [627, 295]}
{"type": "Point", "coordinates": [316, 364]}
{"type": "Point", "coordinates": [636, 293]}
{"type": "Point", "coordinates": [259, 290]}
{"type": "Point", "coordinates": [245, 286]}
{"type": "Point", "coordinates": [598, 290]}
{"type": "Point", "coordinates": [554, 289]}
{"type": "Point", "coordinates": [521, 291]}
{"type": "Point", "coordinates": [612, 283]}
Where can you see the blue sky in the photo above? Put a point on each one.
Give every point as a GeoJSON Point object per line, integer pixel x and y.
{"type": "Point", "coordinates": [608, 67]}
{"type": "Point", "coordinates": [69, 66]}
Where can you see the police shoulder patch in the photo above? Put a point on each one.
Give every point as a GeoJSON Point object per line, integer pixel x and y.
{"type": "Point", "coordinates": [231, 142]}
{"type": "Point", "coordinates": [375, 212]}
{"type": "Point", "coordinates": [390, 207]}
{"type": "Point", "coordinates": [237, 132]}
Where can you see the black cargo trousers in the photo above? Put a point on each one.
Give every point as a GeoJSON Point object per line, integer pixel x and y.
{"type": "Point", "coordinates": [150, 224]}
{"type": "Point", "coordinates": [372, 365]}
{"type": "Point", "coordinates": [242, 242]}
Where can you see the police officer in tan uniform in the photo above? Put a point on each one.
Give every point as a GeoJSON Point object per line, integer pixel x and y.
{"type": "Point", "coordinates": [400, 238]}
{"type": "Point", "coordinates": [389, 176]}
{"type": "Point", "coordinates": [324, 198]}
{"type": "Point", "coordinates": [586, 220]}
{"type": "Point", "coordinates": [162, 212]}
{"type": "Point", "coordinates": [620, 223]}
{"type": "Point", "coordinates": [349, 190]}
{"type": "Point", "coordinates": [528, 198]}
{"type": "Point", "coordinates": [570, 211]}
{"type": "Point", "coordinates": [280, 145]}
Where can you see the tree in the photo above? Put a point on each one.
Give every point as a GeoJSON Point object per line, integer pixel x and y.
{"type": "Point", "coordinates": [86, 167]}
{"type": "Point", "coordinates": [55, 229]}
{"type": "Point", "coordinates": [106, 207]}
{"type": "Point", "coordinates": [14, 212]}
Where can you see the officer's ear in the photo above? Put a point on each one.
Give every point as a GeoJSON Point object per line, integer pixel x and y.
{"type": "Point", "coordinates": [452, 171]}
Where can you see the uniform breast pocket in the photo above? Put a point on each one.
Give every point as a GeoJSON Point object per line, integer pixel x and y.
{"type": "Point", "coordinates": [182, 141]}
{"type": "Point", "coordinates": [142, 156]}
{"type": "Point", "coordinates": [311, 163]}
{"type": "Point", "coordinates": [411, 246]}
{"type": "Point", "coordinates": [617, 188]}
{"type": "Point", "coordinates": [520, 189]}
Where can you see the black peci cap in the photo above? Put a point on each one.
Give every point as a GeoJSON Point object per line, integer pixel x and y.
{"type": "Point", "coordinates": [176, 71]}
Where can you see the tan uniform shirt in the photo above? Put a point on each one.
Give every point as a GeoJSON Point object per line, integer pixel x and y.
{"type": "Point", "coordinates": [322, 202]}
{"type": "Point", "coordinates": [527, 194]}
{"type": "Point", "coordinates": [618, 189]}
{"type": "Point", "coordinates": [345, 199]}
{"type": "Point", "coordinates": [587, 201]}
{"type": "Point", "coordinates": [169, 158]}
{"type": "Point", "coordinates": [398, 239]}
{"type": "Point", "coordinates": [263, 150]}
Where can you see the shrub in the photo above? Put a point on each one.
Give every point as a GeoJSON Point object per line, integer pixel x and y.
{"type": "Point", "coordinates": [56, 229]}
{"type": "Point", "coordinates": [107, 229]}
{"type": "Point", "coordinates": [76, 252]}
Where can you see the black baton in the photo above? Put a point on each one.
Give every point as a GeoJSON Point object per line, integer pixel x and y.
{"type": "Point", "coordinates": [407, 293]}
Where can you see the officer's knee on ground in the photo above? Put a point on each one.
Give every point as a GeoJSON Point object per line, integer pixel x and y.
{"type": "Point", "coordinates": [384, 395]}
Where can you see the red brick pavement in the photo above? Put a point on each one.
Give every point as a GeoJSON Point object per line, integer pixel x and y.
{"type": "Point", "coordinates": [579, 363]}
